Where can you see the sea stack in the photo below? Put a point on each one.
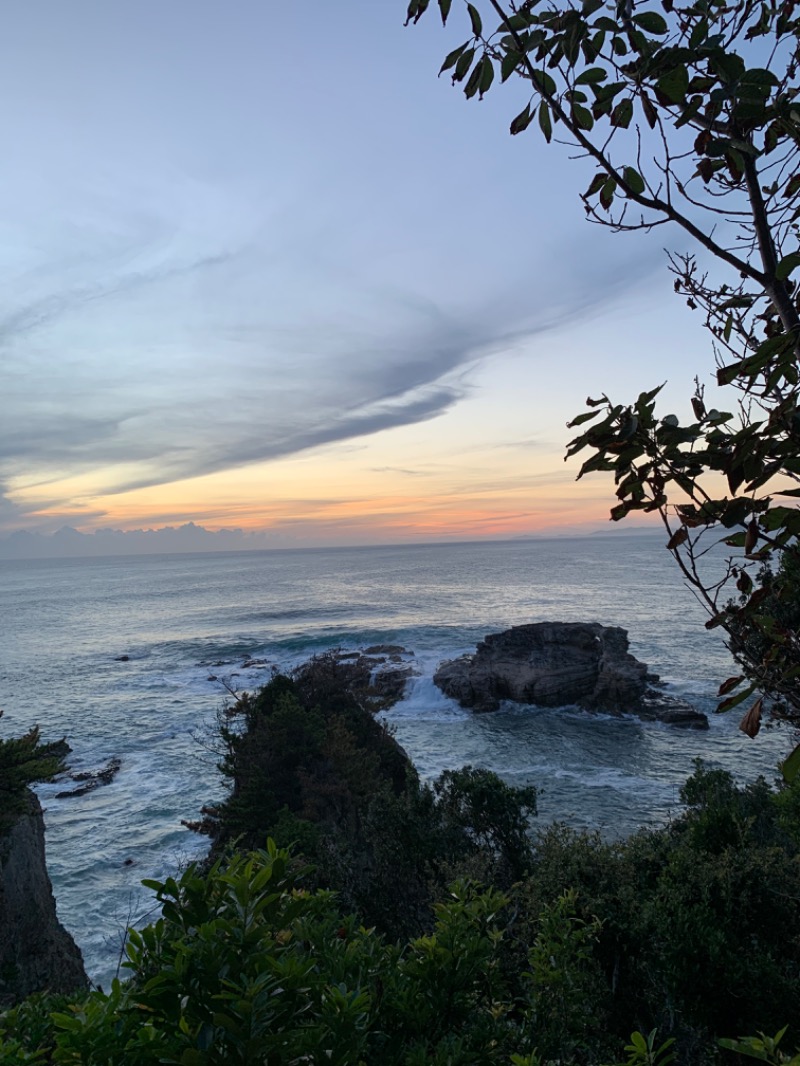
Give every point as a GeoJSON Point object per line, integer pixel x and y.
{"type": "Point", "coordinates": [560, 664]}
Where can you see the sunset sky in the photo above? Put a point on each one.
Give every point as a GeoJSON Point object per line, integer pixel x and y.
{"type": "Point", "coordinates": [261, 269]}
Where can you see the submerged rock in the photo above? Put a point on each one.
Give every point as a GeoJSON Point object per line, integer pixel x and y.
{"type": "Point", "coordinates": [556, 664]}
{"type": "Point", "coordinates": [89, 780]}
{"type": "Point", "coordinates": [36, 953]}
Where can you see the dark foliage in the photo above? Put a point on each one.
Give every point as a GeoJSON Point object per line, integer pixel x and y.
{"type": "Point", "coordinates": [700, 920]}
{"type": "Point", "coordinates": [311, 766]}
{"type": "Point", "coordinates": [23, 761]}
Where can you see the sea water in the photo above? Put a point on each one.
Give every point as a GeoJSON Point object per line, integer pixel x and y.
{"type": "Point", "coordinates": [132, 658]}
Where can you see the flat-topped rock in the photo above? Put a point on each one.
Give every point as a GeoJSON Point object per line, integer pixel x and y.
{"type": "Point", "coordinates": [557, 664]}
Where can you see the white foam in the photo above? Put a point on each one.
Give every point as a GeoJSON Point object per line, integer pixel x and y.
{"type": "Point", "coordinates": [425, 702]}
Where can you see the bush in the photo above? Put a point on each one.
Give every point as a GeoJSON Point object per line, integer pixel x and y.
{"type": "Point", "coordinates": [23, 761]}
{"type": "Point", "coordinates": [312, 767]}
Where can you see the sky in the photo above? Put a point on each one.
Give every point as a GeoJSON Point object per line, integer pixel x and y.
{"type": "Point", "coordinates": [263, 270]}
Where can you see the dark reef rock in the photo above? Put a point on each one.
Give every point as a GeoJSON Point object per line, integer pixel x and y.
{"type": "Point", "coordinates": [36, 953]}
{"type": "Point", "coordinates": [89, 780]}
{"type": "Point", "coordinates": [386, 649]}
{"type": "Point", "coordinates": [557, 664]}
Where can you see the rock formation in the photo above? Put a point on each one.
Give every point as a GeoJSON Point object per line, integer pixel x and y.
{"type": "Point", "coordinates": [377, 676]}
{"type": "Point", "coordinates": [556, 664]}
{"type": "Point", "coordinates": [89, 780]}
{"type": "Point", "coordinates": [36, 952]}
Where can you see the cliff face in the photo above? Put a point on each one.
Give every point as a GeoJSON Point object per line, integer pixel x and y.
{"type": "Point", "coordinates": [36, 952]}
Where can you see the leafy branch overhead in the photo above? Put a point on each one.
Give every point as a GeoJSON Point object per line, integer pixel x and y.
{"type": "Point", "coordinates": [689, 115]}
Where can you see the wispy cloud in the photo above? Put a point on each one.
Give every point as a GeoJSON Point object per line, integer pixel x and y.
{"type": "Point", "coordinates": [175, 352]}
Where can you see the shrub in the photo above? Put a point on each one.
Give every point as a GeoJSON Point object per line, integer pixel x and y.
{"type": "Point", "coordinates": [23, 761]}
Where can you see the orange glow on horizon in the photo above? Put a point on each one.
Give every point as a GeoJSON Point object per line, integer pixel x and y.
{"type": "Point", "coordinates": [463, 515]}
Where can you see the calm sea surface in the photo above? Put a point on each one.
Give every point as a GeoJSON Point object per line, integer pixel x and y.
{"type": "Point", "coordinates": [183, 618]}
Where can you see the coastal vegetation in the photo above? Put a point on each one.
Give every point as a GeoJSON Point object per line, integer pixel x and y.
{"type": "Point", "coordinates": [350, 913]}
{"type": "Point", "coordinates": [23, 761]}
{"type": "Point", "coordinates": [689, 115]}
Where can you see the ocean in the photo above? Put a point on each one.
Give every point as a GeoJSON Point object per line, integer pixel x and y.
{"type": "Point", "coordinates": [119, 655]}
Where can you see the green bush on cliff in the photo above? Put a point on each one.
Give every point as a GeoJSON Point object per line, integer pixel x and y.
{"type": "Point", "coordinates": [24, 761]}
{"type": "Point", "coordinates": [700, 920]}
{"type": "Point", "coordinates": [690, 930]}
{"type": "Point", "coordinates": [454, 935]}
{"type": "Point", "coordinates": [700, 928]}
{"type": "Point", "coordinates": [245, 967]}
{"type": "Point", "coordinates": [311, 766]}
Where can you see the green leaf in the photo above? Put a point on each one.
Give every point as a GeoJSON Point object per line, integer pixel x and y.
{"type": "Point", "coordinates": [444, 9]}
{"type": "Point", "coordinates": [522, 121]}
{"type": "Point", "coordinates": [674, 84]}
{"type": "Point", "coordinates": [475, 19]}
{"type": "Point", "coordinates": [727, 65]}
{"type": "Point", "coordinates": [509, 64]}
{"type": "Point", "coordinates": [463, 64]}
{"type": "Point", "coordinates": [597, 183]}
{"type": "Point", "coordinates": [622, 114]}
{"type": "Point", "coordinates": [698, 34]}
{"type": "Point", "coordinates": [585, 417]}
{"type": "Point", "coordinates": [729, 373]}
{"type": "Point", "coordinates": [651, 22]}
{"type": "Point", "coordinates": [759, 76]}
{"type": "Point", "coordinates": [487, 76]}
{"type": "Point", "coordinates": [607, 193]}
{"type": "Point", "coordinates": [734, 701]}
{"type": "Point", "coordinates": [591, 76]}
{"type": "Point", "coordinates": [787, 265]}
{"type": "Point", "coordinates": [517, 22]}
{"type": "Point", "coordinates": [582, 116]}
{"type": "Point", "coordinates": [634, 180]}
{"type": "Point", "coordinates": [543, 82]}
{"type": "Point", "coordinates": [452, 58]}
{"type": "Point", "coordinates": [545, 122]}
{"type": "Point", "coordinates": [474, 80]}
{"type": "Point", "coordinates": [649, 110]}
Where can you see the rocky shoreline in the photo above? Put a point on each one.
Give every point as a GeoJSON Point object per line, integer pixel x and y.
{"type": "Point", "coordinates": [544, 664]}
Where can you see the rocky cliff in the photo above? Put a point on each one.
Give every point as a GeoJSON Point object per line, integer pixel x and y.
{"type": "Point", "coordinates": [36, 952]}
{"type": "Point", "coordinates": [558, 664]}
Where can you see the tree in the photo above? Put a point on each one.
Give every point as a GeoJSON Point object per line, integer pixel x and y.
{"type": "Point", "coordinates": [690, 114]}
{"type": "Point", "coordinates": [23, 761]}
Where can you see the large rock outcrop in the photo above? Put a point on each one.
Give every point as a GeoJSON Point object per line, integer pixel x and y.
{"type": "Point", "coordinates": [36, 952]}
{"type": "Point", "coordinates": [557, 664]}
